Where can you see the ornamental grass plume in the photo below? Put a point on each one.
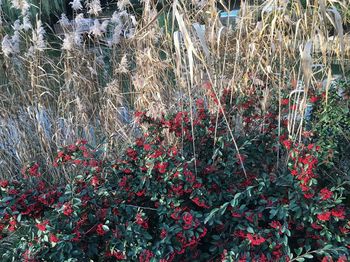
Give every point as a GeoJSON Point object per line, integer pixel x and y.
{"type": "Point", "coordinates": [79, 22]}
{"type": "Point", "coordinates": [123, 66]}
{"type": "Point", "coordinates": [6, 46]}
{"type": "Point", "coordinates": [39, 43]}
{"type": "Point", "coordinates": [68, 42]}
{"type": "Point", "coordinates": [94, 7]}
{"type": "Point", "coordinates": [27, 25]}
{"type": "Point", "coordinates": [11, 45]}
{"type": "Point", "coordinates": [99, 29]}
{"type": "Point", "coordinates": [21, 5]}
{"type": "Point", "coordinates": [64, 21]}
{"type": "Point", "coordinates": [123, 4]}
{"type": "Point", "coordinates": [76, 5]}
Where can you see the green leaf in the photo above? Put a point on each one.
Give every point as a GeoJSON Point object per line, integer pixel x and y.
{"type": "Point", "coordinates": [328, 247]}
{"type": "Point", "coordinates": [299, 251]}
{"type": "Point", "coordinates": [250, 230]}
{"type": "Point", "coordinates": [212, 249]}
{"type": "Point", "coordinates": [234, 201]}
{"type": "Point", "coordinates": [223, 208]}
{"type": "Point", "coordinates": [308, 256]}
{"type": "Point", "coordinates": [211, 214]}
{"type": "Point", "coordinates": [46, 238]}
{"type": "Point", "coordinates": [6, 199]}
{"type": "Point", "coordinates": [216, 237]}
{"type": "Point", "coordinates": [288, 232]}
{"type": "Point", "coordinates": [273, 213]}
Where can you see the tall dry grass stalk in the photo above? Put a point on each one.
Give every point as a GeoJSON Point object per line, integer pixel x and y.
{"type": "Point", "coordinates": [95, 73]}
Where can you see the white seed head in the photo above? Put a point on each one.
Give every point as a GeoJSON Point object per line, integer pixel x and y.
{"type": "Point", "coordinates": [68, 42]}
{"type": "Point", "coordinates": [16, 39]}
{"type": "Point", "coordinates": [104, 25]}
{"type": "Point", "coordinates": [64, 21]}
{"type": "Point", "coordinates": [123, 65]}
{"type": "Point", "coordinates": [115, 17]}
{"type": "Point", "coordinates": [80, 22]}
{"type": "Point", "coordinates": [122, 4]}
{"type": "Point", "coordinates": [130, 33]}
{"type": "Point", "coordinates": [76, 5]}
{"type": "Point", "coordinates": [26, 23]}
{"type": "Point", "coordinates": [6, 45]}
{"type": "Point", "coordinates": [94, 7]}
{"type": "Point", "coordinates": [17, 25]}
{"type": "Point", "coordinates": [78, 39]}
{"type": "Point", "coordinates": [21, 5]}
{"type": "Point", "coordinates": [117, 35]}
{"type": "Point", "coordinates": [10, 45]}
{"type": "Point", "coordinates": [133, 20]}
{"type": "Point", "coordinates": [96, 29]}
{"type": "Point", "coordinates": [38, 37]}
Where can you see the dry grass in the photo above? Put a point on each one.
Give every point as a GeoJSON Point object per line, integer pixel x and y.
{"type": "Point", "coordinates": [51, 96]}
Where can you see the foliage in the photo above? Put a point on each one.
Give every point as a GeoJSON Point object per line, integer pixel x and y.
{"type": "Point", "coordinates": [82, 76]}
{"type": "Point", "coordinates": [332, 124]}
{"type": "Point", "coordinates": [194, 199]}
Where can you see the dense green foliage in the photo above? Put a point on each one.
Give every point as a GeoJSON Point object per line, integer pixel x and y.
{"type": "Point", "coordinates": [195, 198]}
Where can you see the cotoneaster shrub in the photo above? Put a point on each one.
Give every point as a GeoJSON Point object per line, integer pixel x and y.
{"type": "Point", "coordinates": [160, 202]}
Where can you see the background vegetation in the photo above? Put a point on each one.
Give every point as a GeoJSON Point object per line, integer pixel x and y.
{"type": "Point", "coordinates": [86, 75]}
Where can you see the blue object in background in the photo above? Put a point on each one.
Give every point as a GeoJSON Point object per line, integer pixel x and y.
{"type": "Point", "coordinates": [232, 13]}
{"type": "Point", "coordinates": [229, 18]}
